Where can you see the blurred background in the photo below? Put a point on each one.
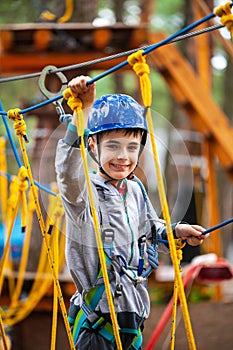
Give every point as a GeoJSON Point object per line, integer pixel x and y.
{"type": "Point", "coordinates": [192, 114]}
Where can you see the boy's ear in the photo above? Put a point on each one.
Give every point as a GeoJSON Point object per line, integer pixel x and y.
{"type": "Point", "coordinates": [92, 145]}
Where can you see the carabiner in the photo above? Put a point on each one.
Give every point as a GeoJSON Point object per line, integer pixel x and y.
{"type": "Point", "coordinates": [49, 94]}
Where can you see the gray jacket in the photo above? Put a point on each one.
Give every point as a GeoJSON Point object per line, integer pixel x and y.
{"type": "Point", "coordinates": [127, 215]}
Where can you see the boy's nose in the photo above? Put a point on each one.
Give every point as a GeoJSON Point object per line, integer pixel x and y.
{"type": "Point", "coordinates": [122, 154]}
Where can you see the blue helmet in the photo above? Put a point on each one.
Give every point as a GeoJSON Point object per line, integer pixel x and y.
{"type": "Point", "coordinates": [116, 112]}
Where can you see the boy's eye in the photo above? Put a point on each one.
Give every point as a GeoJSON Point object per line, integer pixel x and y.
{"type": "Point", "coordinates": [112, 146]}
{"type": "Point", "coordinates": [133, 148]}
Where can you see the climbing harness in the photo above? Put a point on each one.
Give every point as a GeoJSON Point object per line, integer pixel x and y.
{"type": "Point", "coordinates": [86, 317]}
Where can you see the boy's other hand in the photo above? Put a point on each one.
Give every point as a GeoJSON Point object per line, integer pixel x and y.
{"type": "Point", "coordinates": [191, 233]}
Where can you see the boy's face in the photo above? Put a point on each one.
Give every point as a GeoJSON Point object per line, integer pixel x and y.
{"type": "Point", "coordinates": [118, 153]}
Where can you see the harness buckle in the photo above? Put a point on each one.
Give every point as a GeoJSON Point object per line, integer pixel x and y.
{"type": "Point", "coordinates": [108, 234]}
{"type": "Point", "coordinates": [118, 290]}
{"type": "Point", "coordinates": [100, 323]}
{"type": "Point", "coordinates": [108, 239]}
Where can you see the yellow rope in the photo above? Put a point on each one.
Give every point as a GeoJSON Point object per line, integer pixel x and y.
{"type": "Point", "coordinates": [3, 335]}
{"type": "Point", "coordinates": [179, 245]}
{"type": "Point", "coordinates": [226, 16]}
{"type": "Point", "coordinates": [68, 12]}
{"type": "Point", "coordinates": [55, 223]}
{"type": "Point", "coordinates": [49, 16]}
{"type": "Point", "coordinates": [138, 63]}
{"type": "Point", "coordinates": [3, 178]}
{"type": "Point", "coordinates": [20, 128]}
{"type": "Point", "coordinates": [43, 279]}
{"type": "Point", "coordinates": [23, 185]}
{"type": "Point", "coordinates": [14, 200]}
{"type": "Point", "coordinates": [76, 105]}
{"type": "Point", "coordinates": [55, 235]}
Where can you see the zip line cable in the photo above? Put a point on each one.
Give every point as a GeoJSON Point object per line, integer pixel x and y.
{"type": "Point", "coordinates": [149, 49]}
{"type": "Point", "coordinates": [111, 57]}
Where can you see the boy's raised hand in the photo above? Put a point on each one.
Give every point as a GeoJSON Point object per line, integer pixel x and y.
{"type": "Point", "coordinates": [191, 233]}
{"type": "Point", "coordinates": [86, 93]}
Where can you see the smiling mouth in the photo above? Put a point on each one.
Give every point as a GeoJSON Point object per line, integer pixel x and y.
{"type": "Point", "coordinates": [120, 166]}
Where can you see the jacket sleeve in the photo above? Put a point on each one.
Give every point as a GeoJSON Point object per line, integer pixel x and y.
{"type": "Point", "coordinates": [69, 170]}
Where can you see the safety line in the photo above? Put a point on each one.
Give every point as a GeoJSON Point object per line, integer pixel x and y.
{"type": "Point", "coordinates": [221, 224]}
{"type": "Point", "coordinates": [12, 115]}
{"type": "Point", "coordinates": [153, 47]}
{"type": "Point", "coordinates": [141, 68]}
{"type": "Point", "coordinates": [109, 58]}
{"type": "Point", "coordinates": [124, 63]}
{"type": "Point", "coordinates": [209, 230]}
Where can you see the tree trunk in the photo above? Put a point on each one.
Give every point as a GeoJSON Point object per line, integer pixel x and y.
{"type": "Point", "coordinates": [84, 11]}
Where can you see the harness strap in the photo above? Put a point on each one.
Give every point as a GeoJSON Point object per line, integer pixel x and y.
{"type": "Point", "coordinates": [92, 299]}
{"type": "Point", "coordinates": [108, 243]}
{"type": "Point", "coordinates": [105, 329]}
{"type": "Point", "coordinates": [137, 341]}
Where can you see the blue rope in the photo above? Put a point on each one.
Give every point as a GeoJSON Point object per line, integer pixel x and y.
{"type": "Point", "coordinates": [153, 47]}
{"type": "Point", "coordinates": [124, 63]}
{"type": "Point", "coordinates": [39, 105]}
{"type": "Point", "coordinates": [211, 229]}
{"type": "Point", "coordinates": [223, 223]}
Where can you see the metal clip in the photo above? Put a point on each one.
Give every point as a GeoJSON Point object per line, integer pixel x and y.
{"type": "Point", "coordinates": [49, 94]}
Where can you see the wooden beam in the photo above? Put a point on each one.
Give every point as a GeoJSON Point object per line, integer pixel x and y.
{"type": "Point", "coordinates": [12, 63]}
{"type": "Point", "coordinates": [197, 102]}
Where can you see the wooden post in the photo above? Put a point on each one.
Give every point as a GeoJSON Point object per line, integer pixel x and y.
{"type": "Point", "coordinates": [212, 207]}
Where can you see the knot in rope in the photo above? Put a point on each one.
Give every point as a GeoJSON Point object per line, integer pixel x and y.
{"type": "Point", "coordinates": [76, 105]}
{"type": "Point", "coordinates": [179, 255]}
{"type": "Point", "coordinates": [179, 243]}
{"type": "Point", "coordinates": [73, 101]}
{"type": "Point", "coordinates": [141, 68]}
{"type": "Point", "coordinates": [22, 176]}
{"type": "Point", "coordinates": [19, 123]}
{"type": "Point", "coordinates": [225, 14]}
{"type": "Point", "coordinates": [138, 62]}
{"type": "Point", "coordinates": [14, 114]}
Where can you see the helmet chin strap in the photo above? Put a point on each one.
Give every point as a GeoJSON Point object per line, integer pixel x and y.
{"type": "Point", "coordinates": [101, 170]}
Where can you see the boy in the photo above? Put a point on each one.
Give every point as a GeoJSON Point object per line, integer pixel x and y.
{"type": "Point", "coordinates": [117, 135]}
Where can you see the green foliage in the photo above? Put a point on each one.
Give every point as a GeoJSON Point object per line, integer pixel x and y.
{"type": "Point", "coordinates": [168, 15]}
{"type": "Point", "coordinates": [18, 11]}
